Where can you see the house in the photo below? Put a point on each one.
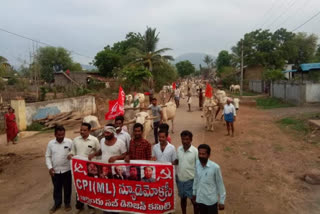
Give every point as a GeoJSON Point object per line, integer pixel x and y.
{"type": "Point", "coordinates": [81, 79]}
{"type": "Point", "coordinates": [306, 71]}
{"type": "Point", "coordinates": [253, 72]}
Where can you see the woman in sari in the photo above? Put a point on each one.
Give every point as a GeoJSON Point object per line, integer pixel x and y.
{"type": "Point", "coordinates": [11, 125]}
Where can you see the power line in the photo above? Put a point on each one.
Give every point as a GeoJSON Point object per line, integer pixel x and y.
{"type": "Point", "coordinates": [281, 4]}
{"type": "Point", "coordinates": [304, 4]}
{"type": "Point", "coordinates": [269, 10]}
{"type": "Point", "coordinates": [293, 2]}
{"type": "Point", "coordinates": [39, 42]}
{"type": "Point", "coordinates": [314, 16]}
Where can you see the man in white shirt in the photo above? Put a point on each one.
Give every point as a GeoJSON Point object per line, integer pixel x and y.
{"type": "Point", "coordinates": [84, 145]}
{"type": "Point", "coordinates": [230, 114]}
{"type": "Point", "coordinates": [187, 155]}
{"type": "Point", "coordinates": [121, 134]}
{"type": "Point", "coordinates": [177, 92]}
{"type": "Point", "coordinates": [59, 168]}
{"type": "Point", "coordinates": [163, 151]}
{"type": "Point", "coordinates": [111, 148]}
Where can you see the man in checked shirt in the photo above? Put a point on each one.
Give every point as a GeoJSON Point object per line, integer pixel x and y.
{"type": "Point", "coordinates": [140, 148]}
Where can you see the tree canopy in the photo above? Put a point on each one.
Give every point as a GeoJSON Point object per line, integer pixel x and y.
{"type": "Point", "coordinates": [53, 59]}
{"type": "Point", "coordinates": [185, 68]}
{"type": "Point", "coordinates": [223, 60]}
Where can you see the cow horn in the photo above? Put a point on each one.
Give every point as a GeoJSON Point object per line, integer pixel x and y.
{"type": "Point", "coordinates": [129, 122]}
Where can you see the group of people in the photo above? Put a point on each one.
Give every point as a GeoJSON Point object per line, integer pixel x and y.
{"type": "Point", "coordinates": [197, 178]}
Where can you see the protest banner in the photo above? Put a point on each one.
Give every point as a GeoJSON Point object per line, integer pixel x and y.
{"type": "Point", "coordinates": [135, 187]}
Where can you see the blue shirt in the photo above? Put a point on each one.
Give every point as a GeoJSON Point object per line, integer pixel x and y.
{"type": "Point", "coordinates": [208, 185]}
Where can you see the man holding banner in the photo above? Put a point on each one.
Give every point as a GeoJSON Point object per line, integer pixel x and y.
{"type": "Point", "coordinates": [111, 148]}
{"type": "Point", "coordinates": [83, 146]}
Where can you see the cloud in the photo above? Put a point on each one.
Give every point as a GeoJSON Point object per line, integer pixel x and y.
{"type": "Point", "coordinates": [86, 26]}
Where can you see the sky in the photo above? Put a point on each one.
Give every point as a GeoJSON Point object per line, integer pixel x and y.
{"type": "Point", "coordinates": [186, 26]}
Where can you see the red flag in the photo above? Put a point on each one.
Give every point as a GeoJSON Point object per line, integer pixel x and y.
{"type": "Point", "coordinates": [116, 107]}
{"type": "Point", "coordinates": [121, 100]}
{"type": "Point", "coordinates": [208, 91]}
{"type": "Point", "coordinates": [68, 71]}
{"type": "Point", "coordinates": [174, 86]}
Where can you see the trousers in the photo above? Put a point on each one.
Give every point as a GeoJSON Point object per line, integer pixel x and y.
{"type": "Point", "coordinates": [62, 181]}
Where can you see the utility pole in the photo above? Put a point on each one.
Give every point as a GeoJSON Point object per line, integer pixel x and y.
{"type": "Point", "coordinates": [241, 67]}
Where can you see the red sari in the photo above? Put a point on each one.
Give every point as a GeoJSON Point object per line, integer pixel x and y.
{"type": "Point", "coordinates": [12, 129]}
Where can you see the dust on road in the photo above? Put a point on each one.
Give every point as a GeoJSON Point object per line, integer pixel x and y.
{"type": "Point", "coordinates": [261, 166]}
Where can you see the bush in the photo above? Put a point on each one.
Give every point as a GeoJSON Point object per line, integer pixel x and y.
{"type": "Point", "coordinates": [43, 91]}
{"type": "Point", "coordinates": [164, 75]}
{"type": "Point", "coordinates": [35, 127]}
{"type": "Point", "coordinates": [134, 78]}
{"type": "Point", "coordinates": [273, 75]}
{"type": "Point", "coordinates": [12, 81]}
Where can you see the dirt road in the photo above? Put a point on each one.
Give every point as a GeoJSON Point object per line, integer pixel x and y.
{"type": "Point", "coordinates": [261, 166]}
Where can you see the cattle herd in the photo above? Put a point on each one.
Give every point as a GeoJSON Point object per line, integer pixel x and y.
{"type": "Point", "coordinates": [136, 106]}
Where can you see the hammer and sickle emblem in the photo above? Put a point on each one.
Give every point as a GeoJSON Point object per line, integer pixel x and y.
{"type": "Point", "coordinates": [166, 174]}
{"type": "Point", "coordinates": [78, 167]}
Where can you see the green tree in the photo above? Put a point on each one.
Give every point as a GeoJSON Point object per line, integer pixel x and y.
{"type": "Point", "coordinates": [164, 74]}
{"type": "Point", "coordinates": [273, 75]}
{"type": "Point", "coordinates": [208, 60]}
{"type": "Point", "coordinates": [76, 67]}
{"type": "Point", "coordinates": [223, 60]}
{"type": "Point", "coordinates": [304, 48]}
{"type": "Point", "coordinates": [185, 68]}
{"type": "Point", "coordinates": [147, 54]}
{"type": "Point", "coordinates": [51, 58]}
{"type": "Point", "coordinates": [262, 47]}
{"type": "Point", "coordinates": [5, 67]}
{"type": "Point", "coordinates": [317, 55]}
{"type": "Point", "coordinates": [134, 77]}
{"type": "Point", "coordinates": [106, 60]}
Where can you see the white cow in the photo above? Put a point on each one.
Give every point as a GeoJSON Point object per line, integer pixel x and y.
{"type": "Point", "coordinates": [209, 109]}
{"type": "Point", "coordinates": [141, 98]}
{"type": "Point", "coordinates": [95, 125]}
{"type": "Point", "coordinates": [129, 99]}
{"type": "Point", "coordinates": [235, 88]}
{"type": "Point", "coordinates": [236, 102]}
{"type": "Point", "coordinates": [169, 113]}
{"type": "Point", "coordinates": [162, 95]}
{"type": "Point", "coordinates": [231, 88]}
{"type": "Point", "coordinates": [145, 119]}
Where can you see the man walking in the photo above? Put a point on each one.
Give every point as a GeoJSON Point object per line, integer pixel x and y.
{"type": "Point", "coordinates": [84, 145]}
{"type": "Point", "coordinates": [164, 151]}
{"type": "Point", "coordinates": [121, 134]}
{"type": "Point", "coordinates": [140, 148]}
{"type": "Point", "coordinates": [187, 156]}
{"type": "Point", "coordinates": [59, 168]}
{"type": "Point", "coordinates": [177, 92]}
{"type": "Point", "coordinates": [208, 188]}
{"type": "Point", "coordinates": [156, 112]}
{"type": "Point", "coordinates": [229, 113]}
{"type": "Point", "coordinates": [189, 100]}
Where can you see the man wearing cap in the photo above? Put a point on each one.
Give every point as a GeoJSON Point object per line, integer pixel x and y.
{"type": "Point", "coordinates": [229, 113]}
{"type": "Point", "coordinates": [112, 148]}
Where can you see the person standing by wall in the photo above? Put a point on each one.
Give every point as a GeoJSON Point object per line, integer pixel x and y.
{"type": "Point", "coordinates": [11, 125]}
{"type": "Point", "coordinates": [59, 168]}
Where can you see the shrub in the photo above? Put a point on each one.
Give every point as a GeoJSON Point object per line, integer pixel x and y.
{"type": "Point", "coordinates": [35, 127]}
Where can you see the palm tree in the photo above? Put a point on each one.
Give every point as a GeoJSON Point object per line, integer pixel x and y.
{"type": "Point", "coordinates": [208, 60]}
{"type": "Point", "coordinates": [147, 53]}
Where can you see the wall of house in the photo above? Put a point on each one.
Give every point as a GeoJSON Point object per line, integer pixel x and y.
{"type": "Point", "coordinates": [85, 105]}
{"type": "Point", "coordinates": [256, 86]}
{"type": "Point", "coordinates": [296, 93]}
{"type": "Point", "coordinates": [313, 92]}
{"type": "Point", "coordinates": [61, 80]}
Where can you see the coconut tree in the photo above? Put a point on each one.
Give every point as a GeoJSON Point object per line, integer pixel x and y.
{"type": "Point", "coordinates": [147, 53]}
